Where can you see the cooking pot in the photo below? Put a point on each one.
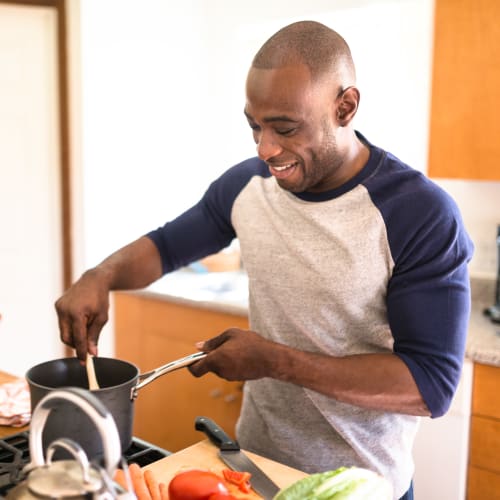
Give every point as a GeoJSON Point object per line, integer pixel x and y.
{"type": "Point", "coordinates": [75, 478]}
{"type": "Point", "coordinates": [119, 383]}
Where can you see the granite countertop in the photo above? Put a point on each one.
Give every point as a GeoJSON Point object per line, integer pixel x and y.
{"type": "Point", "coordinates": [483, 342]}
{"type": "Point", "coordinates": [227, 292]}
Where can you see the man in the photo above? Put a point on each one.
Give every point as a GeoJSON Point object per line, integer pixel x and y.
{"type": "Point", "coordinates": [357, 265]}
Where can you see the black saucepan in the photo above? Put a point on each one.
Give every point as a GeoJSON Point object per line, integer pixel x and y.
{"type": "Point", "coordinates": [119, 382]}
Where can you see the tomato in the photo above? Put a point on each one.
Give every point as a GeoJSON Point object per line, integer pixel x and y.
{"type": "Point", "coordinates": [221, 496]}
{"type": "Point", "coordinates": [195, 485]}
{"type": "Point", "coordinates": [240, 479]}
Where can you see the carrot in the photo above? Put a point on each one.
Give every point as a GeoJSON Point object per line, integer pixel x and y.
{"type": "Point", "coordinates": [138, 482]}
{"type": "Point", "coordinates": [120, 479]}
{"type": "Point", "coordinates": [152, 484]}
{"type": "Point", "coordinates": [163, 491]}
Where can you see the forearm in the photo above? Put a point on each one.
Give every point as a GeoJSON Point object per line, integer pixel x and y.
{"type": "Point", "coordinates": [376, 381]}
{"type": "Point", "coordinates": [136, 265]}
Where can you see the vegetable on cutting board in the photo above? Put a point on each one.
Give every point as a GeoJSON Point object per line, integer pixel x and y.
{"type": "Point", "coordinates": [197, 484]}
{"type": "Point", "coordinates": [191, 484]}
{"type": "Point", "coordinates": [344, 483]}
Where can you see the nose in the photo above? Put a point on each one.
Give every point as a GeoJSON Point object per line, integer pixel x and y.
{"type": "Point", "coordinates": [267, 147]}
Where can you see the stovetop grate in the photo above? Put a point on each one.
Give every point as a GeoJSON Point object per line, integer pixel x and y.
{"type": "Point", "coordinates": [14, 455]}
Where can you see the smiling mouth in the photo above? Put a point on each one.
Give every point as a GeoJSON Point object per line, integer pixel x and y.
{"type": "Point", "coordinates": [282, 171]}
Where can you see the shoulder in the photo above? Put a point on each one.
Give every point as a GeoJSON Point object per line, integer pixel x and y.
{"type": "Point", "coordinates": [395, 185]}
{"type": "Point", "coordinates": [418, 214]}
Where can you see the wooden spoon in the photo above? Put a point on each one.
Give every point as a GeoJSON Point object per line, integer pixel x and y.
{"type": "Point", "coordinates": [93, 385]}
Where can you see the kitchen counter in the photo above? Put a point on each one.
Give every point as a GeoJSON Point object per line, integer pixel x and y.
{"type": "Point", "coordinates": [204, 455]}
{"type": "Point", "coordinates": [483, 342]}
{"type": "Point", "coordinates": [225, 292]}
{"type": "Point", "coordinates": [228, 292]}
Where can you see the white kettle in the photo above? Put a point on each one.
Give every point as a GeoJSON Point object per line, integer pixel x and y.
{"type": "Point", "coordinates": [73, 478]}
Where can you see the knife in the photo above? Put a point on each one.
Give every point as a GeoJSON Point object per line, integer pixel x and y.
{"type": "Point", "coordinates": [231, 454]}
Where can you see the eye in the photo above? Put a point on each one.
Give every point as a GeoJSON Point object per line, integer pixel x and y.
{"type": "Point", "coordinates": [286, 131]}
{"type": "Point", "coordinates": [253, 126]}
{"type": "Point", "coordinates": [255, 132]}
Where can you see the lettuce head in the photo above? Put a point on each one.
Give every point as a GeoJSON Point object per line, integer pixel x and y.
{"type": "Point", "coordinates": [345, 483]}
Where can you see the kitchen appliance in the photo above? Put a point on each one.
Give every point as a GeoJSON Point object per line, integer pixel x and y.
{"type": "Point", "coordinates": [494, 311]}
{"type": "Point", "coordinates": [15, 455]}
{"type": "Point", "coordinates": [231, 454]}
{"type": "Point", "coordinates": [76, 477]}
{"type": "Point", "coordinates": [119, 383]}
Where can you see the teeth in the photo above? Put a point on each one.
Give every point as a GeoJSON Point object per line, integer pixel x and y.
{"type": "Point", "coordinates": [279, 169]}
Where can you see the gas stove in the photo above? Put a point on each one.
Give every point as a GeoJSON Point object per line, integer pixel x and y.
{"type": "Point", "coordinates": [14, 455]}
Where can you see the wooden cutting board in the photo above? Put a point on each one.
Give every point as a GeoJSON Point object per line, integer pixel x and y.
{"type": "Point", "coordinates": [204, 455]}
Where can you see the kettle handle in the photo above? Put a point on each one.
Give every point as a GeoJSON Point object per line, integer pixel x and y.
{"type": "Point", "coordinates": [94, 408]}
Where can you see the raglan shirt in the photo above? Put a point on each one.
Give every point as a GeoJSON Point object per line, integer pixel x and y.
{"type": "Point", "coordinates": [377, 265]}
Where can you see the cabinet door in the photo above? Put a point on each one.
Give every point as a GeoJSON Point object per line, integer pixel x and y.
{"type": "Point", "coordinates": [483, 484]}
{"type": "Point", "coordinates": [483, 479]}
{"type": "Point", "coordinates": [150, 333]}
{"type": "Point", "coordinates": [465, 124]}
{"type": "Point", "coordinates": [485, 397]}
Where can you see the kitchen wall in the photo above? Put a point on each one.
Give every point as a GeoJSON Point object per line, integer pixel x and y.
{"type": "Point", "coordinates": [162, 100]}
{"type": "Point", "coordinates": [163, 92]}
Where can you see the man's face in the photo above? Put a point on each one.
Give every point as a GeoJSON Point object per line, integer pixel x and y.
{"type": "Point", "coordinates": [294, 127]}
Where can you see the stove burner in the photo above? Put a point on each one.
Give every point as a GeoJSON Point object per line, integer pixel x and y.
{"type": "Point", "coordinates": [14, 455]}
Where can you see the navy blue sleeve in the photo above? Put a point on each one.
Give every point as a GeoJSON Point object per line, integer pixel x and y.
{"type": "Point", "coordinates": [206, 227]}
{"type": "Point", "coordinates": [428, 296]}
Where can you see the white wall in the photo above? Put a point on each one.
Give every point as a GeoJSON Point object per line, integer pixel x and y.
{"type": "Point", "coordinates": [163, 95]}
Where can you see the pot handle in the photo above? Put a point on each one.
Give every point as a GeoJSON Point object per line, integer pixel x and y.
{"type": "Point", "coordinates": [94, 408]}
{"type": "Point", "coordinates": [146, 378]}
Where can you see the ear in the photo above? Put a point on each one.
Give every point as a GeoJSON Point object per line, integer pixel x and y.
{"type": "Point", "coordinates": [347, 105]}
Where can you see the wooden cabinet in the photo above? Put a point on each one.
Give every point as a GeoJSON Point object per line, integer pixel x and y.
{"type": "Point", "coordinates": [484, 453]}
{"type": "Point", "coordinates": [465, 123]}
{"type": "Point", "coordinates": [153, 331]}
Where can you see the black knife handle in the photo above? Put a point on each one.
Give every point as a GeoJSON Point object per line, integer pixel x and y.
{"type": "Point", "coordinates": [216, 434]}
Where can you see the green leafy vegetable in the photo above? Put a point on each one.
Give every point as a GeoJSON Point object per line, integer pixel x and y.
{"type": "Point", "coordinates": [353, 483]}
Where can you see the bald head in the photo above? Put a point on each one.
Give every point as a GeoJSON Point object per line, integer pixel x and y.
{"type": "Point", "coordinates": [311, 43]}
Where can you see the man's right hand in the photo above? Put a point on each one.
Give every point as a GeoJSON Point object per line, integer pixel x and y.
{"type": "Point", "coordinates": [82, 312]}
{"type": "Point", "coordinates": [83, 309]}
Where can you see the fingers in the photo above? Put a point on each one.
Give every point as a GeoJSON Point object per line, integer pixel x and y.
{"type": "Point", "coordinates": [79, 337]}
{"type": "Point", "coordinates": [80, 330]}
{"type": "Point", "coordinates": [65, 331]}
{"type": "Point", "coordinates": [206, 364]}
{"type": "Point", "coordinates": [201, 367]}
{"type": "Point", "coordinates": [198, 369]}
{"type": "Point", "coordinates": [215, 342]}
{"type": "Point", "coordinates": [93, 332]}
